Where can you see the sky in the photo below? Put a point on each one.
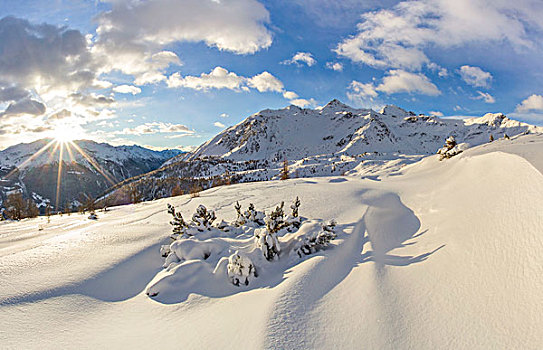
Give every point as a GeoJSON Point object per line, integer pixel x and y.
{"type": "Point", "coordinates": [174, 73]}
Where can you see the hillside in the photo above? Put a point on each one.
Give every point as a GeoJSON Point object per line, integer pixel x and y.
{"type": "Point", "coordinates": [333, 140]}
{"type": "Point", "coordinates": [438, 255]}
{"type": "Point", "coordinates": [88, 169]}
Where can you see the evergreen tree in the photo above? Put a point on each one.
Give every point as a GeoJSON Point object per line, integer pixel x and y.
{"type": "Point", "coordinates": [178, 223]}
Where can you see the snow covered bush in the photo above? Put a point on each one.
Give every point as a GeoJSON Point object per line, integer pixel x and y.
{"type": "Point", "coordinates": [201, 253]}
{"type": "Point", "coordinates": [240, 269]}
{"type": "Point", "coordinates": [178, 223]}
{"type": "Point", "coordinates": [250, 217]}
{"type": "Point", "coordinates": [316, 240]}
{"type": "Point", "coordinates": [293, 221]}
{"type": "Point", "coordinates": [203, 218]}
{"type": "Point", "coordinates": [450, 149]}
{"type": "Point", "coordinates": [268, 243]}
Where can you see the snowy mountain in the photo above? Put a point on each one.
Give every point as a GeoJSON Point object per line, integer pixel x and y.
{"type": "Point", "coordinates": [337, 129]}
{"type": "Point", "coordinates": [88, 168]}
{"type": "Point", "coordinates": [442, 255]}
{"type": "Point", "coordinates": [333, 140]}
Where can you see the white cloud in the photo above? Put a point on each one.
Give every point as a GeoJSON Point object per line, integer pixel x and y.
{"type": "Point", "coordinates": [358, 89]}
{"type": "Point", "coordinates": [475, 76]}
{"type": "Point", "coordinates": [156, 127]}
{"type": "Point", "coordinates": [265, 82]}
{"type": "Point", "coordinates": [397, 81]}
{"type": "Point", "coordinates": [224, 115]}
{"type": "Point", "coordinates": [218, 78]}
{"type": "Point", "coordinates": [219, 125]}
{"type": "Point", "coordinates": [290, 95]}
{"type": "Point", "coordinates": [338, 67]}
{"type": "Point", "coordinates": [132, 35]}
{"type": "Point", "coordinates": [436, 113]}
{"type": "Point", "coordinates": [488, 98]}
{"type": "Point", "coordinates": [398, 37]}
{"type": "Point", "coordinates": [127, 89]}
{"type": "Point", "coordinates": [533, 103]}
{"type": "Point", "coordinates": [301, 102]}
{"type": "Point", "coordinates": [301, 58]}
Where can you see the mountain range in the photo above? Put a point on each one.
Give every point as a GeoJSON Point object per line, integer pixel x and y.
{"type": "Point", "coordinates": [332, 140]}
{"type": "Point", "coordinates": [88, 169]}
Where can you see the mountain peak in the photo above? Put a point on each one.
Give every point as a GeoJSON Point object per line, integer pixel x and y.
{"type": "Point", "coordinates": [335, 103]}
{"type": "Point", "coordinates": [392, 110]}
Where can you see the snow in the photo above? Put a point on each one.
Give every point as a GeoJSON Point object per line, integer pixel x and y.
{"type": "Point", "coordinates": [434, 255]}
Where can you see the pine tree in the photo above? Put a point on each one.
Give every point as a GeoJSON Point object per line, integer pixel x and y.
{"type": "Point", "coordinates": [491, 138]}
{"type": "Point", "coordinates": [178, 223]}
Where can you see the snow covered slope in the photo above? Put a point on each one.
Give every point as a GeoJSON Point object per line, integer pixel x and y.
{"type": "Point", "coordinates": [295, 133]}
{"type": "Point", "coordinates": [333, 140]}
{"type": "Point", "coordinates": [437, 255]}
{"type": "Point", "coordinates": [37, 178]}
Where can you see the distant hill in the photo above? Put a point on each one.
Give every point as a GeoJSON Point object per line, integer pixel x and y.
{"type": "Point", "coordinates": [88, 173]}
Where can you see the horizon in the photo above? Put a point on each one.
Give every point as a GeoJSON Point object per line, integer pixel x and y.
{"type": "Point", "coordinates": [109, 72]}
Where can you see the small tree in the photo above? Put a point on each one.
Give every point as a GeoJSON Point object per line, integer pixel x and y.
{"type": "Point", "coordinates": [284, 171]}
{"type": "Point", "coordinates": [178, 223]}
{"type": "Point", "coordinates": [32, 210]}
{"type": "Point", "coordinates": [48, 212]}
{"type": "Point", "coordinates": [491, 138]}
{"type": "Point", "coordinates": [177, 190]}
{"type": "Point", "coordinates": [134, 193]}
{"type": "Point", "coordinates": [15, 206]}
{"type": "Point", "coordinates": [195, 190]}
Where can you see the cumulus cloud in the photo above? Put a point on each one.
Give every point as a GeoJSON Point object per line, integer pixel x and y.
{"type": "Point", "coordinates": [302, 102]}
{"type": "Point", "coordinates": [301, 58]}
{"type": "Point", "coordinates": [436, 113]}
{"type": "Point", "coordinates": [488, 98]}
{"type": "Point", "coordinates": [265, 82]}
{"type": "Point", "coordinates": [398, 37]}
{"type": "Point", "coordinates": [219, 125]}
{"type": "Point", "coordinates": [395, 81]}
{"type": "Point", "coordinates": [534, 103]}
{"type": "Point", "coordinates": [127, 89]}
{"type": "Point", "coordinates": [218, 78]}
{"type": "Point", "coordinates": [26, 106]}
{"type": "Point", "coordinates": [338, 67]}
{"type": "Point", "coordinates": [475, 76]}
{"type": "Point", "coordinates": [290, 95]}
{"type": "Point", "coordinates": [398, 80]}
{"type": "Point", "coordinates": [132, 35]}
{"type": "Point", "coordinates": [12, 93]}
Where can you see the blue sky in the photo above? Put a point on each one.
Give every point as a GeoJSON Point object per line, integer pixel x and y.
{"type": "Point", "coordinates": [173, 73]}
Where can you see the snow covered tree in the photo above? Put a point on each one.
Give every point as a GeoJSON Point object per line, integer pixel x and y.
{"type": "Point", "coordinates": [293, 221]}
{"type": "Point", "coordinates": [268, 243]}
{"type": "Point", "coordinates": [203, 218]}
{"type": "Point", "coordinates": [240, 220]}
{"type": "Point", "coordinates": [178, 223]}
{"type": "Point", "coordinates": [240, 269]}
{"type": "Point", "coordinates": [449, 150]}
{"type": "Point", "coordinates": [316, 241]}
{"type": "Point", "coordinates": [275, 221]}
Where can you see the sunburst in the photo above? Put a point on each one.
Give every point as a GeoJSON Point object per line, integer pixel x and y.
{"type": "Point", "coordinates": [62, 141]}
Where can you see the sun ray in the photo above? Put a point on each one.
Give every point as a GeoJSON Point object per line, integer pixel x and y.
{"type": "Point", "coordinates": [29, 159]}
{"type": "Point", "coordinates": [93, 163]}
{"type": "Point", "coordinates": [59, 175]}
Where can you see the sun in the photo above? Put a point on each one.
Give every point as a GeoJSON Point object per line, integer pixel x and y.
{"type": "Point", "coordinates": [63, 134]}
